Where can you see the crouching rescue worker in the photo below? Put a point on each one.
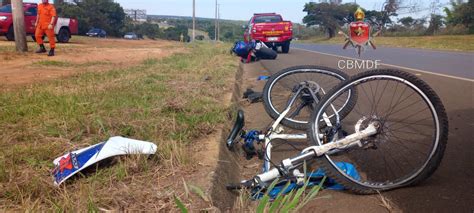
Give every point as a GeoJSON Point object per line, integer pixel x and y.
{"type": "Point", "coordinates": [45, 21]}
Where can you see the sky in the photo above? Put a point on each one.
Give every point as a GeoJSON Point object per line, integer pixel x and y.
{"type": "Point", "coordinates": [243, 9]}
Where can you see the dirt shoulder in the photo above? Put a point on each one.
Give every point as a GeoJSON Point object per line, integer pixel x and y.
{"type": "Point", "coordinates": [83, 54]}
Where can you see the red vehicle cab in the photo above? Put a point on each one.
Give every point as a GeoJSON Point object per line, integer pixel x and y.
{"type": "Point", "coordinates": [271, 29]}
{"type": "Point", "coordinates": [65, 27]}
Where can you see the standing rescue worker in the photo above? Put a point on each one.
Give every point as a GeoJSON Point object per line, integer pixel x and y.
{"type": "Point", "coordinates": [45, 21]}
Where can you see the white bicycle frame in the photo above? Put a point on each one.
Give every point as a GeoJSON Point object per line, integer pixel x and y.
{"type": "Point", "coordinates": [269, 174]}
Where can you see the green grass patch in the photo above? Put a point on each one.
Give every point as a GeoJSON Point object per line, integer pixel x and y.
{"type": "Point", "coordinates": [167, 101]}
{"type": "Point", "coordinates": [50, 63]}
{"type": "Point", "coordinates": [442, 42]}
{"type": "Point", "coordinates": [53, 63]}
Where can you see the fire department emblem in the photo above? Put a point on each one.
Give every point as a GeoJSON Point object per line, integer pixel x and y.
{"type": "Point", "coordinates": [359, 35]}
{"type": "Point", "coordinates": [360, 32]}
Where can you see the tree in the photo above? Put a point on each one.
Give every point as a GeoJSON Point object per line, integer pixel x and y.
{"type": "Point", "coordinates": [104, 14]}
{"type": "Point", "coordinates": [19, 26]}
{"type": "Point", "coordinates": [329, 16]}
{"type": "Point", "coordinates": [378, 16]}
{"type": "Point", "coordinates": [174, 33]}
{"type": "Point", "coordinates": [461, 14]}
{"type": "Point", "coordinates": [228, 35]}
{"type": "Point", "coordinates": [407, 21]}
{"type": "Point", "coordinates": [211, 32]}
{"type": "Point", "coordinates": [436, 22]}
{"type": "Point", "coordinates": [150, 30]}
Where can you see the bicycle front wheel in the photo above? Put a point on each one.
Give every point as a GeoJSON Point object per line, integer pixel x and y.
{"type": "Point", "coordinates": [409, 143]}
{"type": "Point", "coordinates": [282, 85]}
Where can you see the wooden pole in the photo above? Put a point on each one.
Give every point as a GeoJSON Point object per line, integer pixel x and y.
{"type": "Point", "coordinates": [194, 20]}
{"type": "Point", "coordinates": [19, 25]}
{"type": "Point", "coordinates": [218, 21]}
{"type": "Point", "coordinates": [215, 25]}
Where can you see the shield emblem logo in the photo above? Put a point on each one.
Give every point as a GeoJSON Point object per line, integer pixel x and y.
{"type": "Point", "coordinates": [360, 32]}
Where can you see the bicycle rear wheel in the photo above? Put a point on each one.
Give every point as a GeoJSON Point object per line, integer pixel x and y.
{"type": "Point", "coordinates": [410, 141]}
{"type": "Point", "coordinates": [282, 85]}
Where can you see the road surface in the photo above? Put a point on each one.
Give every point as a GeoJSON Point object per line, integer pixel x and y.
{"type": "Point", "coordinates": [459, 64]}
{"type": "Point", "coordinates": [451, 188]}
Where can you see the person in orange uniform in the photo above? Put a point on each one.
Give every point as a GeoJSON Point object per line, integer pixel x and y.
{"type": "Point", "coordinates": [45, 21]}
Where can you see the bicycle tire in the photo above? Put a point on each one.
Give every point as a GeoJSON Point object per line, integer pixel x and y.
{"type": "Point", "coordinates": [286, 74]}
{"type": "Point", "coordinates": [427, 165]}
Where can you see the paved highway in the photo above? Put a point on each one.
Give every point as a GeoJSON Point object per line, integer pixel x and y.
{"type": "Point", "coordinates": [457, 64]}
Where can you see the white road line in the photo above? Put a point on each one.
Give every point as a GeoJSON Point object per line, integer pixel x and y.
{"type": "Point", "coordinates": [391, 65]}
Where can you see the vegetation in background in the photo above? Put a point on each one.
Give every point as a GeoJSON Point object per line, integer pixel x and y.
{"type": "Point", "coordinates": [461, 15]}
{"type": "Point", "coordinates": [104, 14]}
{"type": "Point", "coordinates": [174, 33]}
{"type": "Point", "coordinates": [111, 17]}
{"type": "Point", "coordinates": [440, 42]}
{"type": "Point", "coordinates": [229, 30]}
{"type": "Point", "coordinates": [329, 18]}
{"type": "Point", "coordinates": [148, 29]}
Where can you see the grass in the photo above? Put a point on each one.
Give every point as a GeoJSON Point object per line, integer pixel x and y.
{"type": "Point", "coordinates": [292, 201]}
{"type": "Point", "coordinates": [9, 46]}
{"type": "Point", "coordinates": [167, 101]}
{"type": "Point", "coordinates": [63, 64]}
{"type": "Point", "coordinates": [442, 42]}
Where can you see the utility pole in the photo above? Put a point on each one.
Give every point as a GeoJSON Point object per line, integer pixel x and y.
{"type": "Point", "coordinates": [194, 20]}
{"type": "Point", "coordinates": [218, 21]}
{"type": "Point", "coordinates": [19, 25]}
{"type": "Point", "coordinates": [215, 25]}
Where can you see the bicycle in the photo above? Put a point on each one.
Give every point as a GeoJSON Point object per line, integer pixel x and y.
{"type": "Point", "coordinates": [375, 133]}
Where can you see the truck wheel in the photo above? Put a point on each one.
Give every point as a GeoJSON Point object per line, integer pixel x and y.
{"type": "Point", "coordinates": [286, 47]}
{"type": "Point", "coordinates": [63, 36]}
{"type": "Point", "coordinates": [10, 34]}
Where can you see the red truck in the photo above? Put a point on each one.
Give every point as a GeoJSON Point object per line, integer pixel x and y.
{"type": "Point", "coordinates": [271, 29]}
{"type": "Point", "coordinates": [65, 27]}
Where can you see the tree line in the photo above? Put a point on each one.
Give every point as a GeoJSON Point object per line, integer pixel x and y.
{"type": "Point", "coordinates": [330, 18]}
{"type": "Point", "coordinates": [110, 16]}
{"type": "Point", "coordinates": [229, 30]}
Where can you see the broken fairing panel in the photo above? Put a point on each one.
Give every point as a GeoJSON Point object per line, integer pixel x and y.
{"type": "Point", "coordinates": [73, 162]}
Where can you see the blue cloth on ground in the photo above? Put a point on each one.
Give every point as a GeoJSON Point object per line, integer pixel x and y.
{"type": "Point", "coordinates": [314, 180]}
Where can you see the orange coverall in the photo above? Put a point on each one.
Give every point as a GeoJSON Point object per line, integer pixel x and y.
{"type": "Point", "coordinates": [45, 12]}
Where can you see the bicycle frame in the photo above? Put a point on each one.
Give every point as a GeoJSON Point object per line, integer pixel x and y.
{"type": "Point", "coordinates": [268, 174]}
{"type": "Point", "coordinates": [275, 130]}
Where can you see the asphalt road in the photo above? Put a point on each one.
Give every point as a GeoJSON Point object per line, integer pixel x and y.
{"type": "Point", "coordinates": [451, 188]}
{"type": "Point", "coordinates": [460, 64]}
